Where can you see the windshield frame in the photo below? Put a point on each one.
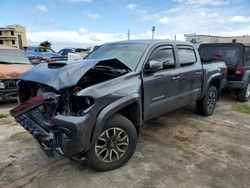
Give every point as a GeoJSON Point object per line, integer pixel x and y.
{"type": "Point", "coordinates": [124, 43]}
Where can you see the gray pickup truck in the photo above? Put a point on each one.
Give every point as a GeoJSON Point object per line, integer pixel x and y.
{"type": "Point", "coordinates": [94, 108]}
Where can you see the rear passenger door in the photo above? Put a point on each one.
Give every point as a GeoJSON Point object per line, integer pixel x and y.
{"type": "Point", "coordinates": [190, 72]}
{"type": "Point", "coordinates": [161, 88]}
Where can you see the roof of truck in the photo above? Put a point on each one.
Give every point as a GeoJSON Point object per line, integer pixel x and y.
{"type": "Point", "coordinates": [152, 41]}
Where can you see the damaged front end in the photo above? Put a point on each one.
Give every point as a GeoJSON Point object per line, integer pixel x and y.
{"type": "Point", "coordinates": [56, 112]}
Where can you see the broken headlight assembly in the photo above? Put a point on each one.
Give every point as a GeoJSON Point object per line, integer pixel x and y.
{"type": "Point", "coordinates": [2, 85]}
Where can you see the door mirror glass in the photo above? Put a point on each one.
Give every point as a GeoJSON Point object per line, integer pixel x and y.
{"type": "Point", "coordinates": [154, 66]}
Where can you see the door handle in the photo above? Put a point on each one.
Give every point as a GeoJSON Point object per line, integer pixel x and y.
{"type": "Point", "coordinates": [198, 73]}
{"type": "Point", "coordinates": [176, 78]}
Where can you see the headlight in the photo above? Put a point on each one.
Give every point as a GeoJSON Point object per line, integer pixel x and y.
{"type": "Point", "coordinates": [2, 85]}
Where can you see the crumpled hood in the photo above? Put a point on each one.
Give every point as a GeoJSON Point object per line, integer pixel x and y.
{"type": "Point", "coordinates": [62, 75]}
{"type": "Point", "coordinates": [12, 71]}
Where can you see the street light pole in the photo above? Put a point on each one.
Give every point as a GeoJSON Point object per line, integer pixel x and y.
{"type": "Point", "coordinates": [153, 32]}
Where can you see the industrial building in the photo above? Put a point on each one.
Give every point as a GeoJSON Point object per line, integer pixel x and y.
{"type": "Point", "coordinates": [199, 39]}
{"type": "Point", "coordinates": [13, 36]}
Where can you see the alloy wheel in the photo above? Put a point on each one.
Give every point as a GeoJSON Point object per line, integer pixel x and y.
{"type": "Point", "coordinates": [211, 101]}
{"type": "Point", "coordinates": [112, 144]}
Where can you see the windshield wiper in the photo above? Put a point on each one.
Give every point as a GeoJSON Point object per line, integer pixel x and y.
{"type": "Point", "coordinates": [112, 70]}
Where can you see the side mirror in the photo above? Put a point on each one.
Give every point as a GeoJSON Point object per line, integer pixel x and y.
{"type": "Point", "coordinates": [154, 66]}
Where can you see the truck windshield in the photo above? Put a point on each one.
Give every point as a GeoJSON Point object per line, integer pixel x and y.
{"type": "Point", "coordinates": [129, 54]}
{"type": "Point", "coordinates": [229, 54]}
{"type": "Point", "coordinates": [12, 57]}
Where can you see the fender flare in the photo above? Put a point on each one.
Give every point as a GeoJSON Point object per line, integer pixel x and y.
{"type": "Point", "coordinates": [111, 109]}
{"type": "Point", "coordinates": [210, 79]}
{"type": "Point", "coordinates": [246, 76]}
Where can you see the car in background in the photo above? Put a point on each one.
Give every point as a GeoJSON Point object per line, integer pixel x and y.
{"type": "Point", "coordinates": [49, 53]}
{"type": "Point", "coordinates": [35, 57]}
{"type": "Point", "coordinates": [13, 62]}
{"type": "Point", "coordinates": [237, 59]}
{"type": "Point", "coordinates": [64, 52]}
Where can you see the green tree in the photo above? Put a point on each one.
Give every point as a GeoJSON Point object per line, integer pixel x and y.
{"type": "Point", "coordinates": [45, 44]}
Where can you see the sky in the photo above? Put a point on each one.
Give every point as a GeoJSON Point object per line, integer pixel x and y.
{"type": "Point", "coordinates": [81, 23]}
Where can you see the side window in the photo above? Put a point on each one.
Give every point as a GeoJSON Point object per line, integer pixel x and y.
{"type": "Point", "coordinates": [165, 56]}
{"type": "Point", "coordinates": [186, 55]}
{"type": "Point", "coordinates": [247, 56]}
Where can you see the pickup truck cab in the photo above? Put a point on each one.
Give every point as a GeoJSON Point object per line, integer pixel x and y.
{"type": "Point", "coordinates": [237, 59]}
{"type": "Point", "coordinates": [95, 108]}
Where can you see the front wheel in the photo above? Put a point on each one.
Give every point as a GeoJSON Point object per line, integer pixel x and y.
{"type": "Point", "coordinates": [115, 146]}
{"type": "Point", "coordinates": [206, 105]}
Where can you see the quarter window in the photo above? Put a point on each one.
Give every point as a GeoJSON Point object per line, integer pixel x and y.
{"type": "Point", "coordinates": [186, 55]}
{"type": "Point", "coordinates": [165, 56]}
{"type": "Point", "coordinates": [247, 56]}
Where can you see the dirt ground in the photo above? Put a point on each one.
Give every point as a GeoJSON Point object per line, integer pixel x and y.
{"type": "Point", "coordinates": [178, 149]}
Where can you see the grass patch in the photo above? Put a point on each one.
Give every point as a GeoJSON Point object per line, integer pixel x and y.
{"type": "Point", "coordinates": [242, 108]}
{"type": "Point", "coordinates": [4, 116]}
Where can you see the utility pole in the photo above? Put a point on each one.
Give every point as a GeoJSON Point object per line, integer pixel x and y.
{"type": "Point", "coordinates": [128, 34]}
{"type": "Point", "coordinates": [153, 32]}
{"type": "Point", "coordinates": [174, 37]}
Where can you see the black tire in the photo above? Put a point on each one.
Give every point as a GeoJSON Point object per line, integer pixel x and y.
{"type": "Point", "coordinates": [116, 124]}
{"type": "Point", "coordinates": [244, 94]}
{"type": "Point", "coordinates": [207, 104]}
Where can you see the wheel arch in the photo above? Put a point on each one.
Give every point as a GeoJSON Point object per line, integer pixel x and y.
{"type": "Point", "coordinates": [129, 106]}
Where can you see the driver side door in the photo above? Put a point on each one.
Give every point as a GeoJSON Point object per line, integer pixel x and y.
{"type": "Point", "coordinates": [161, 87]}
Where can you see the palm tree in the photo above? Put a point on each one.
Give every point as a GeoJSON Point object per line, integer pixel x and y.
{"type": "Point", "coordinates": [45, 44]}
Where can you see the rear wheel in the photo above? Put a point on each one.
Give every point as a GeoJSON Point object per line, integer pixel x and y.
{"type": "Point", "coordinates": [244, 94]}
{"type": "Point", "coordinates": [206, 105]}
{"type": "Point", "coordinates": [115, 146]}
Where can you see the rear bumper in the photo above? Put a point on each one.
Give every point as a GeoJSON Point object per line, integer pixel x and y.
{"type": "Point", "coordinates": [235, 84]}
{"type": "Point", "coordinates": [8, 94]}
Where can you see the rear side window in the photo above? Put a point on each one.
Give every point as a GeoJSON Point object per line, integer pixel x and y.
{"type": "Point", "coordinates": [247, 56]}
{"type": "Point", "coordinates": [165, 56]}
{"type": "Point", "coordinates": [186, 55]}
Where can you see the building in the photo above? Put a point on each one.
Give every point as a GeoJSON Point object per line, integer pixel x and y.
{"type": "Point", "coordinates": [199, 39]}
{"type": "Point", "coordinates": [13, 35]}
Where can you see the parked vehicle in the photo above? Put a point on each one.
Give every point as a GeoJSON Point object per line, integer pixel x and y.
{"type": "Point", "coordinates": [49, 53]}
{"type": "Point", "coordinates": [64, 52]}
{"type": "Point", "coordinates": [237, 58]}
{"type": "Point", "coordinates": [12, 63]}
{"type": "Point", "coordinates": [35, 57]}
{"type": "Point", "coordinates": [95, 108]}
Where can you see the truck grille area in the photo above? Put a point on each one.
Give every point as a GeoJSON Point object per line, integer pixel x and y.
{"type": "Point", "coordinates": [10, 84]}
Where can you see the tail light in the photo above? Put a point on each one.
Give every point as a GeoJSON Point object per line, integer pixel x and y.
{"type": "Point", "coordinates": [52, 60]}
{"type": "Point", "coordinates": [239, 70]}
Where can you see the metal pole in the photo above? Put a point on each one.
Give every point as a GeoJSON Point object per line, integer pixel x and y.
{"type": "Point", "coordinates": [128, 34]}
{"type": "Point", "coordinates": [153, 32]}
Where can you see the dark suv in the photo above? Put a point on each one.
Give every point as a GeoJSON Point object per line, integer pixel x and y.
{"type": "Point", "coordinates": [237, 58]}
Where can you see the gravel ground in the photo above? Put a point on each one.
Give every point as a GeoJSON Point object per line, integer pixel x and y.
{"type": "Point", "coordinates": [178, 149]}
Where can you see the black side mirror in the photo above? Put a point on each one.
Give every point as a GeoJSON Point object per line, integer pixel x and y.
{"type": "Point", "coordinates": [154, 66]}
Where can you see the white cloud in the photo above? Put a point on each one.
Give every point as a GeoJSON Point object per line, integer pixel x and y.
{"type": "Point", "coordinates": [42, 8]}
{"type": "Point", "coordinates": [242, 19]}
{"type": "Point", "coordinates": [94, 16]}
{"type": "Point", "coordinates": [131, 6]}
{"type": "Point", "coordinates": [83, 31]}
{"type": "Point", "coordinates": [82, 35]}
{"type": "Point", "coordinates": [164, 20]}
{"type": "Point", "coordinates": [77, 1]}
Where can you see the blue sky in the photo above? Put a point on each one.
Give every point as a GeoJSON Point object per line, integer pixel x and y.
{"type": "Point", "coordinates": [86, 22]}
